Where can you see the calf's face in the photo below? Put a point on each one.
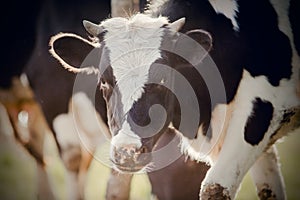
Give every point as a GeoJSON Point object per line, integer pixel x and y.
{"type": "Point", "coordinates": [135, 81]}
{"type": "Point", "coordinates": [135, 87]}
{"type": "Point", "coordinates": [136, 130]}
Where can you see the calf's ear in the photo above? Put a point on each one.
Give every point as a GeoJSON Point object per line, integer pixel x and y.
{"type": "Point", "coordinates": [74, 53]}
{"type": "Point", "coordinates": [203, 37]}
{"type": "Point", "coordinates": [194, 45]}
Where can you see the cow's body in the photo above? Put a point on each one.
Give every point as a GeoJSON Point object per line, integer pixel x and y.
{"type": "Point", "coordinates": [237, 121]}
{"type": "Point", "coordinates": [260, 69]}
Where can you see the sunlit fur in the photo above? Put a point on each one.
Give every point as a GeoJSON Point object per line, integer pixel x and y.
{"type": "Point", "coordinates": [133, 46]}
{"type": "Point", "coordinates": [229, 8]}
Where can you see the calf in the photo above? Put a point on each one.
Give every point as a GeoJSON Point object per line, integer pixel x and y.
{"type": "Point", "coordinates": [60, 108]}
{"type": "Point", "coordinates": [223, 85]}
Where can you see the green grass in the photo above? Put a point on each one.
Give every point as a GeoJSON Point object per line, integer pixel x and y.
{"type": "Point", "coordinates": [18, 174]}
{"type": "Point", "coordinates": [290, 164]}
{"type": "Point", "coordinates": [98, 177]}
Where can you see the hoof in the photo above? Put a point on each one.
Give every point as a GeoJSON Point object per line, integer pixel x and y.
{"type": "Point", "coordinates": [266, 193]}
{"type": "Point", "coordinates": [214, 192]}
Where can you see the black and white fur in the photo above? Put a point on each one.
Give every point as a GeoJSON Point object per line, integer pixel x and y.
{"type": "Point", "coordinates": [257, 58]}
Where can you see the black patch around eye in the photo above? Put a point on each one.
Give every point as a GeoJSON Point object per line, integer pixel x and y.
{"type": "Point", "coordinates": [259, 122]}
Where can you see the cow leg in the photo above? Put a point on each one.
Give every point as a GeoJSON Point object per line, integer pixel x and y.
{"type": "Point", "coordinates": [71, 158]}
{"type": "Point", "coordinates": [85, 163]}
{"type": "Point", "coordinates": [30, 127]}
{"type": "Point", "coordinates": [118, 186]}
{"type": "Point", "coordinates": [72, 185]}
{"type": "Point", "coordinates": [246, 139]}
{"type": "Point", "coordinates": [70, 152]}
{"type": "Point", "coordinates": [267, 176]}
{"type": "Point", "coordinates": [224, 177]}
{"type": "Point", "coordinates": [44, 188]}
{"type": "Point", "coordinates": [7, 137]}
{"type": "Point", "coordinates": [92, 131]}
{"type": "Point", "coordinates": [78, 138]}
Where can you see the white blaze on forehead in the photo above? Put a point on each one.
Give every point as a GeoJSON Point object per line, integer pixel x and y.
{"type": "Point", "coordinates": [133, 46]}
{"type": "Point", "coordinates": [126, 137]}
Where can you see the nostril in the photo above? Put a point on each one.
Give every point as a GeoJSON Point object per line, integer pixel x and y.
{"type": "Point", "coordinates": [130, 158]}
{"type": "Point", "coordinates": [117, 157]}
{"type": "Point", "coordinates": [132, 151]}
{"type": "Point", "coordinates": [125, 154]}
{"type": "Point", "coordinates": [143, 149]}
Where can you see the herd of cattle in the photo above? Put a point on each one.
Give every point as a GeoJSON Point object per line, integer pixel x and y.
{"type": "Point", "coordinates": [193, 92]}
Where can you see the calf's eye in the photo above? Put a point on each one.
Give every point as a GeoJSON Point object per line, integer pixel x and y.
{"type": "Point", "coordinates": [103, 84]}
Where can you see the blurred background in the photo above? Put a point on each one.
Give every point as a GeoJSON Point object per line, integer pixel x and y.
{"type": "Point", "coordinates": [18, 174]}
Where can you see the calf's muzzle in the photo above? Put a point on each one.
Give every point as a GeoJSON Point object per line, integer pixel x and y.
{"type": "Point", "coordinates": [129, 158]}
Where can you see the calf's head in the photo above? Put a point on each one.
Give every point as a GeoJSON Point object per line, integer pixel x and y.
{"type": "Point", "coordinates": [135, 76]}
